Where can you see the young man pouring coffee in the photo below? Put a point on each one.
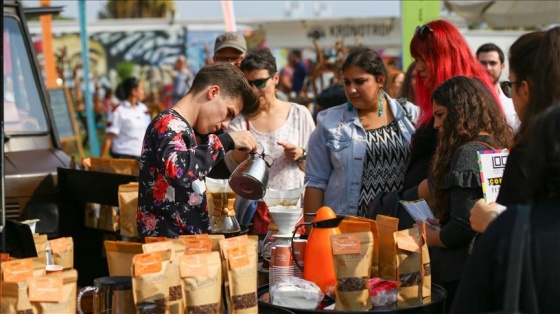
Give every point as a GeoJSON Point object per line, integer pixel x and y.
{"type": "Point", "coordinates": [181, 148]}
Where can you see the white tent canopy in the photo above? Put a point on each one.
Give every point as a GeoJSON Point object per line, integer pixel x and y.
{"type": "Point", "coordinates": [504, 14]}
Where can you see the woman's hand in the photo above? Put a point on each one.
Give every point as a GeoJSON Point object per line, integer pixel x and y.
{"type": "Point", "coordinates": [482, 215]}
{"type": "Point", "coordinates": [291, 151]}
{"type": "Point", "coordinates": [431, 232]}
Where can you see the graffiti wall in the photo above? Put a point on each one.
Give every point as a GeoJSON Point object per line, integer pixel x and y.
{"type": "Point", "coordinates": [147, 50]}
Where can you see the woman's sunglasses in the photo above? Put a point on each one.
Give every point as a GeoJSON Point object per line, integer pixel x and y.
{"type": "Point", "coordinates": [506, 87]}
{"type": "Point", "coordinates": [260, 83]}
{"type": "Point", "coordinates": [423, 31]}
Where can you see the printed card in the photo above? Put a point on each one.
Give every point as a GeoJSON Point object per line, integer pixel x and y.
{"type": "Point", "coordinates": [492, 164]}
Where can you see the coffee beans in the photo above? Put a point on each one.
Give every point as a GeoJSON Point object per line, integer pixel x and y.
{"type": "Point", "coordinates": [409, 280]}
{"type": "Point", "coordinates": [427, 269]}
{"type": "Point", "coordinates": [244, 301]}
{"type": "Point", "coordinates": [352, 284]}
{"type": "Point", "coordinates": [203, 309]}
{"type": "Point", "coordinates": [151, 307]}
{"type": "Point", "coordinates": [175, 293]}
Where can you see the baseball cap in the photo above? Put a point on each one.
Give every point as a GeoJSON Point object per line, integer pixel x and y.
{"type": "Point", "coordinates": [232, 40]}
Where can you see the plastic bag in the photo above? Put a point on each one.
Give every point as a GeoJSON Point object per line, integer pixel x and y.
{"type": "Point", "coordinates": [297, 293]}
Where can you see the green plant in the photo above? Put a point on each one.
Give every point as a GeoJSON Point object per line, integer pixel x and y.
{"type": "Point", "coordinates": [125, 69]}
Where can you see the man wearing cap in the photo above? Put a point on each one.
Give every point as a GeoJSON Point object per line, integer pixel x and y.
{"type": "Point", "coordinates": [230, 47]}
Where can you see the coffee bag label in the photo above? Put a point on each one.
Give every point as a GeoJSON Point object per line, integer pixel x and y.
{"type": "Point", "coordinates": [345, 244]}
{"type": "Point", "coordinates": [155, 239]}
{"type": "Point", "coordinates": [18, 270]}
{"type": "Point", "coordinates": [407, 243]}
{"type": "Point", "coordinates": [197, 246]}
{"type": "Point", "coordinates": [158, 246]}
{"type": "Point", "coordinates": [147, 263]}
{"type": "Point", "coordinates": [193, 265]}
{"type": "Point", "coordinates": [45, 289]}
{"type": "Point", "coordinates": [238, 257]}
{"type": "Point", "coordinates": [59, 245]}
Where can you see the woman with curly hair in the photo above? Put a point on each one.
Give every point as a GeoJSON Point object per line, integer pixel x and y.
{"type": "Point", "coordinates": [440, 52]}
{"type": "Point", "coordinates": [465, 112]}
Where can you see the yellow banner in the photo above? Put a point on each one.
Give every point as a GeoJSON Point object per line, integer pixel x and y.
{"type": "Point", "coordinates": [415, 13]}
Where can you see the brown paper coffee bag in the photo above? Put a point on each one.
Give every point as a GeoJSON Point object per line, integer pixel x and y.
{"type": "Point", "coordinates": [386, 226]}
{"type": "Point", "coordinates": [109, 218]}
{"type": "Point", "coordinates": [409, 267]}
{"type": "Point", "coordinates": [149, 283]}
{"type": "Point", "coordinates": [101, 164]}
{"type": "Point", "coordinates": [63, 252]}
{"type": "Point", "coordinates": [202, 281]}
{"type": "Point", "coordinates": [172, 274]}
{"type": "Point", "coordinates": [352, 255]}
{"type": "Point", "coordinates": [124, 166]}
{"type": "Point", "coordinates": [14, 298]}
{"type": "Point", "coordinates": [242, 279]}
{"type": "Point", "coordinates": [426, 266]}
{"type": "Point", "coordinates": [373, 228]}
{"type": "Point", "coordinates": [40, 246]}
{"type": "Point", "coordinates": [91, 215]}
{"type": "Point", "coordinates": [128, 206]}
{"type": "Point", "coordinates": [69, 290]}
{"type": "Point", "coordinates": [120, 255]}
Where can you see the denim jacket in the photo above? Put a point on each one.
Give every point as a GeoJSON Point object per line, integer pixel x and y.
{"type": "Point", "coordinates": [337, 149]}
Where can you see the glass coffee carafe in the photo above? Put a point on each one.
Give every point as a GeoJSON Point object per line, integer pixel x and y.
{"type": "Point", "coordinates": [221, 200]}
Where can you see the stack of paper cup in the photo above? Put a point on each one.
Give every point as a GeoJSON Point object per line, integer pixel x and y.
{"type": "Point", "coordinates": [299, 253]}
{"type": "Point", "coordinates": [271, 267]}
{"type": "Point", "coordinates": [283, 264]}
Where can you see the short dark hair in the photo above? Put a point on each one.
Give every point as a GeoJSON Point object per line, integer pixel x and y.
{"type": "Point", "coordinates": [124, 89]}
{"type": "Point", "coordinates": [231, 81]}
{"type": "Point", "coordinates": [367, 60]}
{"type": "Point", "coordinates": [261, 59]}
{"type": "Point", "coordinates": [491, 47]}
{"type": "Point", "coordinates": [296, 53]}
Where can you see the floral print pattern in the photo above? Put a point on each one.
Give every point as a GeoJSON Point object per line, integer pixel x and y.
{"type": "Point", "coordinates": [171, 160]}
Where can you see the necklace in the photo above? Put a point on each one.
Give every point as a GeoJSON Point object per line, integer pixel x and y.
{"type": "Point", "coordinates": [182, 113]}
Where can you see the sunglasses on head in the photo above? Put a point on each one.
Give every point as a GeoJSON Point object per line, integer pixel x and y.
{"type": "Point", "coordinates": [260, 83]}
{"type": "Point", "coordinates": [506, 87]}
{"type": "Point", "coordinates": [423, 31]}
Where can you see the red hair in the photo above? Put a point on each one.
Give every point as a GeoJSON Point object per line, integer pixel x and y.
{"type": "Point", "coordinates": [446, 54]}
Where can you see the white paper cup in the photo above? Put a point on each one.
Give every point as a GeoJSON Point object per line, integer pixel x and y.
{"type": "Point", "coordinates": [53, 269]}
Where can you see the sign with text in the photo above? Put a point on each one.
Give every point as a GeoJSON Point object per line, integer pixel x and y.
{"type": "Point", "coordinates": [492, 164]}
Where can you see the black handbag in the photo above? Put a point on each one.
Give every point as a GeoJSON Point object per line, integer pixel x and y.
{"type": "Point", "coordinates": [520, 267]}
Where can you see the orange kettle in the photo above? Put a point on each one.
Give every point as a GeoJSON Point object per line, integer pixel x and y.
{"type": "Point", "coordinates": [318, 261]}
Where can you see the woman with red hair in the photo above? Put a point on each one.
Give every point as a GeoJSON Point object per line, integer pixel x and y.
{"type": "Point", "coordinates": [440, 53]}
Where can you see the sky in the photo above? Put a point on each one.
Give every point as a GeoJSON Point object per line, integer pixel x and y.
{"type": "Point", "coordinates": [211, 9]}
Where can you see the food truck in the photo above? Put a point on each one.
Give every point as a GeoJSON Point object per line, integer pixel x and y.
{"type": "Point", "coordinates": [30, 146]}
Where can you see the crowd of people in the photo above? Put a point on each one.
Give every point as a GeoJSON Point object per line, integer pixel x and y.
{"type": "Point", "coordinates": [377, 130]}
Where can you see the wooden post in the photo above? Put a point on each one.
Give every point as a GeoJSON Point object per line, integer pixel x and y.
{"type": "Point", "coordinates": [48, 54]}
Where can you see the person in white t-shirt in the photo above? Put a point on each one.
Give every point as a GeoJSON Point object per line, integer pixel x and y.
{"type": "Point", "coordinates": [492, 58]}
{"type": "Point", "coordinates": [128, 121]}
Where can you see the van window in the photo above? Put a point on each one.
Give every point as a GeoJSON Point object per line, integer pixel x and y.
{"type": "Point", "coordinates": [23, 111]}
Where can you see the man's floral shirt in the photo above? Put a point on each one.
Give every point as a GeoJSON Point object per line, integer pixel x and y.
{"type": "Point", "coordinates": [171, 193]}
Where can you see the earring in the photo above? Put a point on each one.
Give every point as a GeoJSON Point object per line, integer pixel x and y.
{"type": "Point", "coordinates": [380, 97]}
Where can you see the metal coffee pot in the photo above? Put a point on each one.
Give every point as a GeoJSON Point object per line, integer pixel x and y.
{"type": "Point", "coordinates": [112, 295]}
{"type": "Point", "coordinates": [250, 178]}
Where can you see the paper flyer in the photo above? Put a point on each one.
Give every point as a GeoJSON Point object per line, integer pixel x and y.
{"type": "Point", "coordinates": [492, 164]}
{"type": "Point", "coordinates": [419, 210]}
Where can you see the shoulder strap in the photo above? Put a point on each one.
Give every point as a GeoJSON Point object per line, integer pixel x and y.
{"type": "Point", "coordinates": [485, 144]}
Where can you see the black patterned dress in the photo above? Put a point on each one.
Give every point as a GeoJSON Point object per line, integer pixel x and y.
{"type": "Point", "coordinates": [385, 161]}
